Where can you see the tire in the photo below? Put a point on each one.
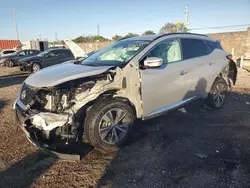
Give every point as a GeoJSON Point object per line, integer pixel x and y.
{"type": "Point", "coordinates": [9, 63]}
{"type": "Point", "coordinates": [218, 94]}
{"type": "Point", "coordinates": [97, 124]}
{"type": "Point", "coordinates": [35, 67]}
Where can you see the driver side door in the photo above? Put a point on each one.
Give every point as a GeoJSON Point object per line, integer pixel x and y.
{"type": "Point", "coordinates": [166, 86]}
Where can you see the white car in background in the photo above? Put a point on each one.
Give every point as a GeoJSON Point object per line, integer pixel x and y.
{"type": "Point", "coordinates": [7, 52]}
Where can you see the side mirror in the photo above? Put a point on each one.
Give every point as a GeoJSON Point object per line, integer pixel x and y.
{"type": "Point", "coordinates": [153, 62]}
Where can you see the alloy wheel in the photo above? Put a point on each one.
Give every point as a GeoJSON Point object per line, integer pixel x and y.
{"type": "Point", "coordinates": [219, 94]}
{"type": "Point", "coordinates": [113, 126]}
{"type": "Point", "coordinates": [36, 67]}
{"type": "Point", "coordinates": [10, 63]}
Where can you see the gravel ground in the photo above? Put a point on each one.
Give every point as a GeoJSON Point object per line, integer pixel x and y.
{"type": "Point", "coordinates": [191, 147]}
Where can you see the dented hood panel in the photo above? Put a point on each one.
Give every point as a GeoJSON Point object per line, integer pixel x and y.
{"type": "Point", "coordinates": [61, 73]}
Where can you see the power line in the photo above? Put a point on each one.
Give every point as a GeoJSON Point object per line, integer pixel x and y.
{"type": "Point", "coordinates": [219, 27]}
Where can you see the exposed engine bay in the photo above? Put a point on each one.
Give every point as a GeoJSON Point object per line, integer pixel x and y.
{"type": "Point", "coordinates": [56, 114]}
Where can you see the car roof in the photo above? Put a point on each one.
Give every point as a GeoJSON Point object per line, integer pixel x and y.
{"type": "Point", "coordinates": [8, 50]}
{"type": "Point", "coordinates": [156, 36]}
{"type": "Point", "coordinates": [50, 50]}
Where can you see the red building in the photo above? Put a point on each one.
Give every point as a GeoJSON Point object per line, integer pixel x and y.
{"type": "Point", "coordinates": [9, 44]}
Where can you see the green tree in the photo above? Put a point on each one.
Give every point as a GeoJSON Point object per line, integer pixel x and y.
{"type": "Point", "coordinates": [117, 37]}
{"type": "Point", "coordinates": [173, 28]}
{"type": "Point", "coordinates": [148, 32]}
{"type": "Point", "coordinates": [129, 35]}
{"type": "Point", "coordinates": [90, 39]}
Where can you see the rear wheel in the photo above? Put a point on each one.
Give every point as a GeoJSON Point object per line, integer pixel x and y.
{"type": "Point", "coordinates": [36, 67]}
{"type": "Point", "coordinates": [9, 63]}
{"type": "Point", "coordinates": [217, 96]}
{"type": "Point", "coordinates": [107, 124]}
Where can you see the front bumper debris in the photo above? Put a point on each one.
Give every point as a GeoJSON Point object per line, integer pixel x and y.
{"type": "Point", "coordinates": [24, 67]}
{"type": "Point", "coordinates": [22, 118]}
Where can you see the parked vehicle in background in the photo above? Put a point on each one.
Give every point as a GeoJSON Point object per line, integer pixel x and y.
{"type": "Point", "coordinates": [45, 59]}
{"type": "Point", "coordinates": [12, 60]}
{"type": "Point", "coordinates": [141, 77]}
{"type": "Point", "coordinates": [7, 52]}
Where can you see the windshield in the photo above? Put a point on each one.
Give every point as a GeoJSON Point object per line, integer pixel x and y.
{"type": "Point", "coordinates": [116, 54]}
{"type": "Point", "coordinates": [43, 53]}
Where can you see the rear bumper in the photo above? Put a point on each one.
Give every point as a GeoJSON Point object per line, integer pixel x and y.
{"type": "Point", "coordinates": [21, 118]}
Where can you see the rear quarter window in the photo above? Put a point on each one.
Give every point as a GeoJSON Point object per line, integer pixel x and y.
{"type": "Point", "coordinates": [193, 48]}
{"type": "Point", "coordinates": [211, 45]}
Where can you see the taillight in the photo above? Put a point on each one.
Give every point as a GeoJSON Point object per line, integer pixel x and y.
{"type": "Point", "coordinates": [230, 57]}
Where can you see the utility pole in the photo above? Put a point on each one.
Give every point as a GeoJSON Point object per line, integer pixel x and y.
{"type": "Point", "coordinates": [14, 17]}
{"type": "Point", "coordinates": [55, 39]}
{"type": "Point", "coordinates": [98, 30]}
{"type": "Point", "coordinates": [186, 16]}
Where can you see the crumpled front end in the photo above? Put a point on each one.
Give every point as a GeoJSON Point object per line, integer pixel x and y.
{"type": "Point", "coordinates": [47, 130]}
{"type": "Point", "coordinates": [52, 117]}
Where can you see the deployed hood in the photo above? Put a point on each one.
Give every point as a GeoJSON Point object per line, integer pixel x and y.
{"type": "Point", "coordinates": [32, 58]}
{"type": "Point", "coordinates": [61, 73]}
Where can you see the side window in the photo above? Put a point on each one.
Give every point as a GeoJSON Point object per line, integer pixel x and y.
{"type": "Point", "coordinates": [53, 54]}
{"type": "Point", "coordinates": [8, 52]}
{"type": "Point", "coordinates": [63, 53]}
{"type": "Point", "coordinates": [68, 53]}
{"type": "Point", "coordinates": [32, 52]}
{"type": "Point", "coordinates": [168, 50]}
{"type": "Point", "coordinates": [22, 53]}
{"type": "Point", "coordinates": [210, 46]}
{"type": "Point", "coordinates": [193, 48]}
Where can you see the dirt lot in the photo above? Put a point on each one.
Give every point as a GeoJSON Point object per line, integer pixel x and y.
{"type": "Point", "coordinates": [195, 147]}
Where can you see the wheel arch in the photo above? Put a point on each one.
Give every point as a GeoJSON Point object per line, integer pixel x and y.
{"type": "Point", "coordinates": [110, 94]}
{"type": "Point", "coordinates": [229, 73]}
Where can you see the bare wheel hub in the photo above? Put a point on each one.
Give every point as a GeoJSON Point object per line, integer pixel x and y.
{"type": "Point", "coordinates": [113, 126]}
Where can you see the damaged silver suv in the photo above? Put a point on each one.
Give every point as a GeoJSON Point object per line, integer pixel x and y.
{"type": "Point", "coordinates": [98, 99]}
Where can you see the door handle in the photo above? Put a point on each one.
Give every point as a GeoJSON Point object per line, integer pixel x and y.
{"type": "Point", "coordinates": [183, 72]}
{"type": "Point", "coordinates": [211, 63]}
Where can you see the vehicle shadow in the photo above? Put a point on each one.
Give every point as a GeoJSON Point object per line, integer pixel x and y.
{"type": "Point", "coordinates": [195, 147]}
{"type": "Point", "coordinates": [10, 80]}
{"type": "Point", "coordinates": [24, 172]}
{"type": "Point", "coordinates": [2, 104]}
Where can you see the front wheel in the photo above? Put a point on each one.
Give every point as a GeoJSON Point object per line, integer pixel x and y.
{"type": "Point", "coordinates": [107, 124]}
{"type": "Point", "coordinates": [36, 67]}
{"type": "Point", "coordinates": [218, 93]}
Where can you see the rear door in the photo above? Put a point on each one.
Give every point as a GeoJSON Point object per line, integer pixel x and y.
{"type": "Point", "coordinates": [164, 87]}
{"type": "Point", "coordinates": [195, 54]}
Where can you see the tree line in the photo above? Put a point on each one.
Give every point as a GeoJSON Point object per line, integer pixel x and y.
{"type": "Point", "coordinates": [166, 28]}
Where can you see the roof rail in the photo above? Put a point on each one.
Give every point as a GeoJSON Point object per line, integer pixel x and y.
{"type": "Point", "coordinates": [166, 34]}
